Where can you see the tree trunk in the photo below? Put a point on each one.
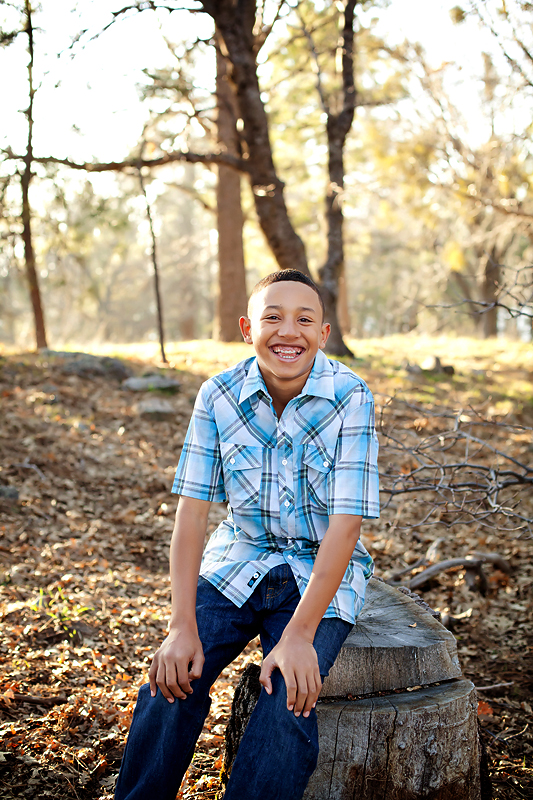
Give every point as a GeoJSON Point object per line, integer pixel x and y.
{"type": "Point", "coordinates": [232, 298]}
{"type": "Point", "coordinates": [337, 129]}
{"type": "Point", "coordinates": [332, 271]}
{"type": "Point", "coordinates": [464, 286]}
{"type": "Point", "coordinates": [419, 745]}
{"type": "Point", "coordinates": [25, 180]}
{"type": "Point", "coordinates": [343, 310]}
{"type": "Point", "coordinates": [235, 21]}
{"type": "Point", "coordinates": [490, 288]}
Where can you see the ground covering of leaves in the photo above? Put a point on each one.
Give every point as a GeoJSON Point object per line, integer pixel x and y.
{"type": "Point", "coordinates": [83, 550]}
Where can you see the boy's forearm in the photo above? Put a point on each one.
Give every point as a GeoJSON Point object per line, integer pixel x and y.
{"type": "Point", "coordinates": [186, 550]}
{"type": "Point", "coordinates": [330, 565]}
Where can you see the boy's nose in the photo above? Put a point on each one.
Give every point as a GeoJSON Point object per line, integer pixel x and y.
{"type": "Point", "coordinates": [288, 328]}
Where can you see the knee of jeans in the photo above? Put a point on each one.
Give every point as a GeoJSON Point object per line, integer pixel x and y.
{"type": "Point", "coordinates": [278, 703]}
{"type": "Point", "coordinates": [143, 695]}
{"type": "Point", "coordinates": [144, 691]}
{"type": "Point", "coordinates": [160, 705]}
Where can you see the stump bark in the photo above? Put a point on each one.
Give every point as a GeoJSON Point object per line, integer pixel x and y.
{"type": "Point", "coordinates": [396, 719]}
{"type": "Point", "coordinates": [422, 744]}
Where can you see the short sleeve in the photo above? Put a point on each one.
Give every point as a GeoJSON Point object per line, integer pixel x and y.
{"type": "Point", "coordinates": [199, 471]}
{"type": "Point", "coordinates": [353, 481]}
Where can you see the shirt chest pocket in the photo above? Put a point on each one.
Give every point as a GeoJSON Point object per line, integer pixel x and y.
{"type": "Point", "coordinates": [243, 469]}
{"type": "Point", "coordinates": [318, 462]}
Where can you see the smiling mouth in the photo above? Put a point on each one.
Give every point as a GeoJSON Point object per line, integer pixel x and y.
{"type": "Point", "coordinates": [287, 353]}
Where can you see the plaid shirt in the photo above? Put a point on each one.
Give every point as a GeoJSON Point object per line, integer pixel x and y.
{"type": "Point", "coordinates": [282, 478]}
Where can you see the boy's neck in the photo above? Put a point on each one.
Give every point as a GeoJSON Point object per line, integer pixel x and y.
{"type": "Point", "coordinates": [282, 392]}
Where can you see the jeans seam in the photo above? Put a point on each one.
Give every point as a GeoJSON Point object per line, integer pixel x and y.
{"type": "Point", "coordinates": [279, 591]}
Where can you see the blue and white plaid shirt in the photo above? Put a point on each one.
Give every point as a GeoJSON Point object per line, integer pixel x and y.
{"type": "Point", "coordinates": [282, 478]}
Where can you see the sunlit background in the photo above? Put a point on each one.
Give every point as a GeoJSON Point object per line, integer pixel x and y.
{"type": "Point", "coordinates": [409, 231]}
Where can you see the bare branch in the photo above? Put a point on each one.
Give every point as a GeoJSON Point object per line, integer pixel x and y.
{"type": "Point", "coordinates": [514, 294]}
{"type": "Point", "coordinates": [441, 566]}
{"type": "Point", "coordinates": [193, 193]}
{"type": "Point", "coordinates": [510, 210]}
{"type": "Point", "coordinates": [266, 30]}
{"type": "Point", "coordinates": [140, 6]}
{"type": "Point", "coordinates": [516, 66]}
{"type": "Point", "coordinates": [228, 160]}
{"type": "Point", "coordinates": [316, 64]}
{"type": "Point", "coordinates": [457, 483]}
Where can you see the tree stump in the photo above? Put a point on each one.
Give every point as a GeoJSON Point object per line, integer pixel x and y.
{"type": "Point", "coordinates": [396, 719]}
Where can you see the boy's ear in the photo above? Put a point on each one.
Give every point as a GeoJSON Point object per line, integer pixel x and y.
{"type": "Point", "coordinates": [246, 329]}
{"type": "Point", "coordinates": [326, 330]}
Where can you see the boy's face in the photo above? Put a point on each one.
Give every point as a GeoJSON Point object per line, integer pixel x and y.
{"type": "Point", "coordinates": [286, 329]}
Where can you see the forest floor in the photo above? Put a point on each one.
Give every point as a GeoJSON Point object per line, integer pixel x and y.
{"type": "Point", "coordinates": [84, 593]}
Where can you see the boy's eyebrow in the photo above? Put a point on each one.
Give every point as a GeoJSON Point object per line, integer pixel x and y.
{"type": "Point", "coordinates": [301, 308]}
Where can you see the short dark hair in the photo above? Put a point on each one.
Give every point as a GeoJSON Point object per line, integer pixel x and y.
{"type": "Point", "coordinates": [289, 275]}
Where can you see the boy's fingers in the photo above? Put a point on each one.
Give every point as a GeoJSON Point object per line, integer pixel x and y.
{"type": "Point", "coordinates": [162, 683]}
{"type": "Point", "coordinates": [312, 697]}
{"type": "Point", "coordinates": [183, 679]}
{"type": "Point", "coordinates": [196, 666]}
{"type": "Point", "coordinates": [301, 697]}
{"type": "Point", "coordinates": [292, 691]}
{"type": "Point", "coordinates": [173, 682]}
{"type": "Point", "coordinates": [267, 669]}
{"type": "Point", "coordinates": [151, 677]}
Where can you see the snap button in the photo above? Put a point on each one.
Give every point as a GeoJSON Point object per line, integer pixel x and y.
{"type": "Point", "coordinates": [286, 504]}
{"type": "Point", "coordinates": [284, 462]}
{"type": "Point", "coordinates": [326, 463]}
{"type": "Point", "coordinates": [232, 461]}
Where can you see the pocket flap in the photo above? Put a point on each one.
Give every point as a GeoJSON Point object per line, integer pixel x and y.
{"type": "Point", "coordinates": [319, 458]}
{"type": "Point", "coordinates": [240, 456]}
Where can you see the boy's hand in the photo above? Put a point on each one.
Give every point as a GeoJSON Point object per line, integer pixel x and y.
{"type": "Point", "coordinates": [296, 658]}
{"type": "Point", "coordinates": [178, 661]}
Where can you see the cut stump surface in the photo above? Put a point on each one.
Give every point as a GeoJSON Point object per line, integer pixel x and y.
{"type": "Point", "coordinates": [395, 644]}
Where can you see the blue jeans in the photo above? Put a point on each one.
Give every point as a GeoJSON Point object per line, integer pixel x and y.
{"type": "Point", "coordinates": [278, 751]}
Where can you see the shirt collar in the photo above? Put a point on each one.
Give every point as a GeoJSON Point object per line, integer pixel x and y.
{"type": "Point", "coordinates": [318, 384]}
{"type": "Point", "coordinates": [320, 381]}
{"type": "Point", "coordinates": [253, 383]}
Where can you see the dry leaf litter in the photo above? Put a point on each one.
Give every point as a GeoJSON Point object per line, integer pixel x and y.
{"type": "Point", "coordinates": [84, 596]}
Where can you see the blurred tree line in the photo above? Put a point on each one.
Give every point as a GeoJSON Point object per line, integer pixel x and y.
{"type": "Point", "coordinates": [319, 145]}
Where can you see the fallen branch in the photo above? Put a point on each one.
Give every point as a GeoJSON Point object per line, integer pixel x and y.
{"type": "Point", "coordinates": [495, 559]}
{"type": "Point", "coordinates": [395, 577]}
{"type": "Point", "coordinates": [28, 465]}
{"type": "Point", "coordinates": [474, 576]}
{"type": "Point", "coordinates": [442, 566]}
{"type": "Point", "coordinates": [494, 686]}
{"type": "Point", "coordinates": [425, 561]}
{"type": "Point", "coordinates": [17, 697]}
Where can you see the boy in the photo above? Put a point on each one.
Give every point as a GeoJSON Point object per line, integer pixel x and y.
{"type": "Point", "coordinates": [288, 438]}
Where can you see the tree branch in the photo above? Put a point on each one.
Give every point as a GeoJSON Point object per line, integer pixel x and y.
{"type": "Point", "coordinates": [239, 164]}
{"type": "Point", "coordinates": [514, 212]}
{"type": "Point", "coordinates": [265, 31]}
{"type": "Point", "coordinates": [316, 65]}
{"type": "Point", "coordinates": [512, 61]}
{"type": "Point", "coordinates": [193, 193]}
{"type": "Point", "coordinates": [458, 474]}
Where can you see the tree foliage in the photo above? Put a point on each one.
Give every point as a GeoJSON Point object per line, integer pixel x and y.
{"type": "Point", "coordinates": [435, 202]}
